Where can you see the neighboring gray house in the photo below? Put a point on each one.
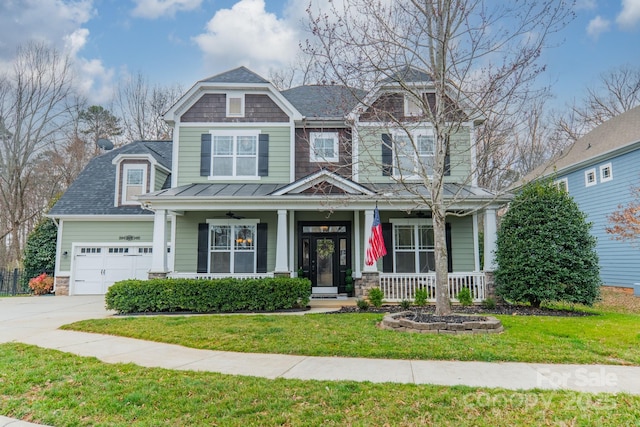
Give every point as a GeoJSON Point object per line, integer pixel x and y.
{"type": "Point", "coordinates": [259, 182]}
{"type": "Point", "coordinates": [599, 170]}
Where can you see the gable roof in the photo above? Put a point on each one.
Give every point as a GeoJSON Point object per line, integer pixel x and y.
{"type": "Point", "coordinates": [407, 74]}
{"type": "Point", "coordinates": [618, 133]}
{"type": "Point", "coordinates": [321, 177]}
{"type": "Point", "coordinates": [237, 75]}
{"type": "Point", "coordinates": [92, 193]}
{"type": "Point", "coordinates": [323, 101]}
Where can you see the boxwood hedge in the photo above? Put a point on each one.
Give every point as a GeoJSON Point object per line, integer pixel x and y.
{"type": "Point", "coordinates": [208, 295]}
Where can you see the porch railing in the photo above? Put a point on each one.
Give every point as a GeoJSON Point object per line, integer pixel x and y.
{"type": "Point", "coordinates": [219, 275]}
{"type": "Point", "coordinates": [403, 286]}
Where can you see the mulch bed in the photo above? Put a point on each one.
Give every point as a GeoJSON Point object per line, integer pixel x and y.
{"type": "Point", "coordinates": [512, 310]}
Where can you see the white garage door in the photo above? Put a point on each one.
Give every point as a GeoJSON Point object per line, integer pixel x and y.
{"type": "Point", "coordinates": [98, 267]}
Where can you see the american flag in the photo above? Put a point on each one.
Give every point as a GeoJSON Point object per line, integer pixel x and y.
{"type": "Point", "coordinates": [376, 248]}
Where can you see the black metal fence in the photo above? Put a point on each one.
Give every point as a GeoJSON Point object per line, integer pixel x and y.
{"type": "Point", "coordinates": [12, 282]}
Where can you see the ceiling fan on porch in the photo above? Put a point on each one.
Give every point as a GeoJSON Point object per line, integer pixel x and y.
{"type": "Point", "coordinates": [233, 215]}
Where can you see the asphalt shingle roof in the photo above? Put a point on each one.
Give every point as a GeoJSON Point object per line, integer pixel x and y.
{"type": "Point", "coordinates": [323, 101]}
{"type": "Point", "coordinates": [92, 193]}
{"type": "Point", "coordinates": [237, 75]}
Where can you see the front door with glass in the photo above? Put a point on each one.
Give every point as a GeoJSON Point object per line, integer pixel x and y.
{"type": "Point", "coordinates": [324, 256]}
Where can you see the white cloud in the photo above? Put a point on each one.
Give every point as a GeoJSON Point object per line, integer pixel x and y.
{"type": "Point", "coordinates": [597, 26]}
{"type": "Point", "coordinates": [630, 14]}
{"type": "Point", "coordinates": [248, 35]}
{"type": "Point", "coordinates": [585, 4]}
{"type": "Point", "coordinates": [153, 9]}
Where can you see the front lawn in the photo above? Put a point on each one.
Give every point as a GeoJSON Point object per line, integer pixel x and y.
{"type": "Point", "coordinates": [607, 338]}
{"type": "Point", "coordinates": [55, 388]}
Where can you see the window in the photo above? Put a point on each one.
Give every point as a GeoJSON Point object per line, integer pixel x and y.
{"type": "Point", "coordinates": [606, 173]}
{"type": "Point", "coordinates": [134, 183]}
{"type": "Point", "coordinates": [234, 154]}
{"type": "Point", "coordinates": [235, 105]}
{"type": "Point", "coordinates": [324, 147]}
{"type": "Point", "coordinates": [590, 177]}
{"type": "Point", "coordinates": [412, 107]}
{"type": "Point", "coordinates": [562, 184]}
{"type": "Point", "coordinates": [232, 248]}
{"type": "Point", "coordinates": [413, 248]}
{"type": "Point", "coordinates": [413, 155]}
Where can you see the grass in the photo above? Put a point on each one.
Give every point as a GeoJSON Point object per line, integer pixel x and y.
{"type": "Point", "coordinates": [607, 338]}
{"type": "Point", "coordinates": [51, 387]}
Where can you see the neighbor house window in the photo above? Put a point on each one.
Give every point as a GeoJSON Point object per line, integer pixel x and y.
{"type": "Point", "coordinates": [234, 154]}
{"type": "Point", "coordinates": [606, 173]}
{"type": "Point", "coordinates": [134, 182]}
{"type": "Point", "coordinates": [562, 184]}
{"type": "Point", "coordinates": [413, 248]}
{"type": "Point", "coordinates": [232, 248]}
{"type": "Point", "coordinates": [590, 177]}
{"type": "Point", "coordinates": [413, 155]}
{"type": "Point", "coordinates": [324, 147]}
{"type": "Point", "coordinates": [235, 105]}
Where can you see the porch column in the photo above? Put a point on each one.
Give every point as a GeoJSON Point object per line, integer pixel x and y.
{"type": "Point", "coordinates": [490, 235]}
{"type": "Point", "coordinates": [159, 258]}
{"type": "Point", "coordinates": [368, 221]}
{"type": "Point", "coordinates": [282, 265]}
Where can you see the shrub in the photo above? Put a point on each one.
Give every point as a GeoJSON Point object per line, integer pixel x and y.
{"type": "Point", "coordinates": [376, 297]}
{"type": "Point", "coordinates": [42, 284]}
{"type": "Point", "coordinates": [421, 297]}
{"type": "Point", "coordinates": [464, 297]}
{"type": "Point", "coordinates": [405, 304]}
{"type": "Point", "coordinates": [489, 303]}
{"type": "Point", "coordinates": [545, 251]}
{"type": "Point", "coordinates": [363, 304]}
{"type": "Point", "coordinates": [40, 250]}
{"type": "Point", "coordinates": [203, 295]}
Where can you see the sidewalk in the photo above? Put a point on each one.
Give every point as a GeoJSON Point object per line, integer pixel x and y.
{"type": "Point", "coordinates": [35, 321]}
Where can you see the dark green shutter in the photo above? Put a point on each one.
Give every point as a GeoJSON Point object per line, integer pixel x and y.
{"type": "Point", "coordinates": [263, 154]}
{"type": "Point", "coordinates": [203, 247]}
{"type": "Point", "coordinates": [447, 159]}
{"type": "Point", "coordinates": [387, 235]}
{"type": "Point", "coordinates": [205, 154]}
{"type": "Point", "coordinates": [387, 155]}
{"type": "Point", "coordinates": [449, 251]}
{"type": "Point", "coordinates": [261, 248]}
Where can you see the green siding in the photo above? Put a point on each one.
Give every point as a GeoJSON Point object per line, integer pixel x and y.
{"type": "Point", "coordinates": [189, 154]}
{"type": "Point", "coordinates": [161, 177]}
{"type": "Point", "coordinates": [102, 232]}
{"type": "Point", "coordinates": [462, 247]}
{"type": "Point", "coordinates": [186, 247]}
{"type": "Point", "coordinates": [370, 156]}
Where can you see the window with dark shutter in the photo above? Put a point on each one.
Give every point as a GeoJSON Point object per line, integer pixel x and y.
{"type": "Point", "coordinates": [263, 154]}
{"type": "Point", "coordinates": [261, 261]}
{"type": "Point", "coordinates": [205, 154]}
{"type": "Point", "coordinates": [203, 247]}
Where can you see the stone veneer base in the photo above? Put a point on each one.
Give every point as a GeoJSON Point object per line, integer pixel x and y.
{"type": "Point", "coordinates": [399, 322]}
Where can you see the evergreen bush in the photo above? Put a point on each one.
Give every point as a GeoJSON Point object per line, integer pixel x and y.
{"type": "Point", "coordinates": [40, 251]}
{"type": "Point", "coordinates": [545, 251]}
{"type": "Point", "coordinates": [208, 295]}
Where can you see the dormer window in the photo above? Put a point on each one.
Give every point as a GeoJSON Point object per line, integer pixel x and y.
{"type": "Point", "coordinates": [412, 107]}
{"type": "Point", "coordinates": [134, 182]}
{"type": "Point", "coordinates": [235, 105]}
{"type": "Point", "coordinates": [323, 147]}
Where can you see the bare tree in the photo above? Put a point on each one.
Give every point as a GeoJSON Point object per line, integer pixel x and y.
{"type": "Point", "coordinates": [625, 222]}
{"type": "Point", "coordinates": [141, 107]}
{"type": "Point", "coordinates": [479, 56]}
{"type": "Point", "coordinates": [34, 108]}
{"type": "Point", "coordinates": [616, 91]}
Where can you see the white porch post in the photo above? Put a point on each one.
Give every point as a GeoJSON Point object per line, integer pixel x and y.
{"type": "Point", "coordinates": [282, 265]}
{"type": "Point", "coordinates": [159, 259]}
{"type": "Point", "coordinates": [368, 221]}
{"type": "Point", "coordinates": [490, 236]}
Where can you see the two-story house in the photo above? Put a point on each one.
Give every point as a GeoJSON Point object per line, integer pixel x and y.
{"type": "Point", "coordinates": [599, 171]}
{"type": "Point", "coordinates": [262, 182]}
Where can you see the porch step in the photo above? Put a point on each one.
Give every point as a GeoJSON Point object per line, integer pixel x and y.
{"type": "Point", "coordinates": [329, 296]}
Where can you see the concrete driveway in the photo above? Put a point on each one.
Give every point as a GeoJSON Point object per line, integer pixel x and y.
{"type": "Point", "coordinates": [24, 317]}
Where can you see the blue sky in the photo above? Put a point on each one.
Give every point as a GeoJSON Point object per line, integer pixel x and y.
{"type": "Point", "coordinates": [182, 41]}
